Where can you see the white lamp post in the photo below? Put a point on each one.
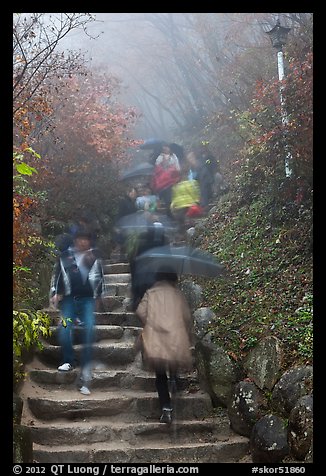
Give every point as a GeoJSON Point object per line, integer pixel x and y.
{"type": "Point", "coordinates": [278, 35]}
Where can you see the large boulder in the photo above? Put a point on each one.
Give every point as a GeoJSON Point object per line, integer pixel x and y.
{"type": "Point", "coordinates": [203, 318]}
{"type": "Point", "coordinates": [217, 373]}
{"type": "Point", "coordinates": [268, 441]}
{"type": "Point", "coordinates": [294, 384]}
{"type": "Point", "coordinates": [193, 293]}
{"type": "Point", "coordinates": [300, 428]}
{"type": "Point", "coordinates": [263, 363]}
{"type": "Point", "coordinates": [247, 405]}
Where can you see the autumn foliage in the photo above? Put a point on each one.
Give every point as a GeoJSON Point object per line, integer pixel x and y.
{"type": "Point", "coordinates": [80, 168]}
{"type": "Point", "coordinates": [260, 166]}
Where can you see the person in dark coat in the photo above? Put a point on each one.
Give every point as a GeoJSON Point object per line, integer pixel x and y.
{"type": "Point", "coordinates": [127, 204]}
{"type": "Point", "coordinates": [208, 173]}
{"type": "Point", "coordinates": [141, 280]}
{"type": "Point", "coordinates": [202, 172]}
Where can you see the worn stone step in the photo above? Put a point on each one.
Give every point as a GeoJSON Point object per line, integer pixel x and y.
{"type": "Point", "coordinates": [115, 268]}
{"type": "Point", "coordinates": [230, 451]}
{"type": "Point", "coordinates": [208, 431]}
{"type": "Point", "coordinates": [119, 405]}
{"type": "Point", "coordinates": [122, 318]}
{"type": "Point", "coordinates": [112, 303]}
{"type": "Point", "coordinates": [117, 278]}
{"type": "Point", "coordinates": [108, 353]}
{"type": "Point", "coordinates": [117, 289]}
{"type": "Point", "coordinates": [101, 332]}
{"type": "Point", "coordinates": [118, 318]}
{"type": "Point", "coordinates": [108, 379]}
{"type": "Point", "coordinates": [115, 258]}
{"type": "Point", "coordinates": [118, 315]}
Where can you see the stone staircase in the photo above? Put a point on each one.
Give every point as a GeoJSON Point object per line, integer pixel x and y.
{"type": "Point", "coordinates": [119, 421]}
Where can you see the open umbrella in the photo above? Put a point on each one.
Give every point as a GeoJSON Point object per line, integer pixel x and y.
{"type": "Point", "coordinates": [152, 143]}
{"type": "Point", "coordinates": [177, 150]}
{"type": "Point", "coordinates": [142, 220]}
{"type": "Point", "coordinates": [182, 259]}
{"type": "Point", "coordinates": [138, 170]}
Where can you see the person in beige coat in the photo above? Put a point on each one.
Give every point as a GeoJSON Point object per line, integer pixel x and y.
{"type": "Point", "coordinates": [166, 336]}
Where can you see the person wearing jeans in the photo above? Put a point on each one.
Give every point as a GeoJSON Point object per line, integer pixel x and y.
{"type": "Point", "coordinates": [76, 283]}
{"type": "Point", "coordinates": [82, 307]}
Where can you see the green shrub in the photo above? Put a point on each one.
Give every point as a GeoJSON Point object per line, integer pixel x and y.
{"type": "Point", "coordinates": [28, 329]}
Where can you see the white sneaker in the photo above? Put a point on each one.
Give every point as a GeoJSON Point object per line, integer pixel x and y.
{"type": "Point", "coordinates": [84, 390]}
{"type": "Point", "coordinates": [65, 367]}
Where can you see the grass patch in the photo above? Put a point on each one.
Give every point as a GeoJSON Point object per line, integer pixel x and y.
{"type": "Point", "coordinates": [268, 286]}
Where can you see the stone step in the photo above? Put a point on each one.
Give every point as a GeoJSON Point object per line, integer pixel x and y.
{"type": "Point", "coordinates": [101, 332]}
{"type": "Point", "coordinates": [112, 303]}
{"type": "Point", "coordinates": [117, 318]}
{"type": "Point", "coordinates": [115, 258]}
{"type": "Point", "coordinates": [209, 430]}
{"type": "Point", "coordinates": [117, 279]}
{"type": "Point", "coordinates": [137, 379]}
{"type": "Point", "coordinates": [115, 268]}
{"type": "Point", "coordinates": [120, 405]}
{"type": "Point", "coordinates": [120, 353]}
{"type": "Point", "coordinates": [117, 289]}
{"type": "Point", "coordinates": [230, 451]}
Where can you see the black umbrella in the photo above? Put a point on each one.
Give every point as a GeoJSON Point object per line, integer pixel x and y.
{"type": "Point", "coordinates": [142, 220]}
{"type": "Point", "coordinates": [152, 143]}
{"type": "Point", "coordinates": [138, 170]}
{"type": "Point", "coordinates": [182, 259]}
{"type": "Point", "coordinates": [177, 150]}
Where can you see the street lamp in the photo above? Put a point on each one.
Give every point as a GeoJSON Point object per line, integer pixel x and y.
{"type": "Point", "coordinates": [278, 35]}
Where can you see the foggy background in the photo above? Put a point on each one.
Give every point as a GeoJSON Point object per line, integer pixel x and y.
{"type": "Point", "coordinates": [179, 69]}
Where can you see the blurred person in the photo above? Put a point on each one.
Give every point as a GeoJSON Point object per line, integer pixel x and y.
{"type": "Point", "coordinates": [157, 150]}
{"type": "Point", "coordinates": [83, 220]}
{"type": "Point", "coordinates": [178, 151]}
{"type": "Point", "coordinates": [76, 284]}
{"type": "Point", "coordinates": [206, 169]}
{"type": "Point", "coordinates": [185, 194]}
{"type": "Point", "coordinates": [127, 203]}
{"type": "Point", "coordinates": [86, 219]}
{"type": "Point", "coordinates": [141, 279]}
{"type": "Point", "coordinates": [200, 171]}
{"type": "Point", "coordinates": [219, 185]}
{"type": "Point", "coordinates": [211, 162]}
{"type": "Point", "coordinates": [146, 200]}
{"type": "Point", "coordinates": [62, 242]}
{"type": "Point", "coordinates": [166, 173]}
{"type": "Point", "coordinates": [126, 206]}
{"type": "Point", "coordinates": [166, 338]}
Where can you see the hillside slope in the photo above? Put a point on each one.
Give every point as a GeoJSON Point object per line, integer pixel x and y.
{"type": "Point", "coordinates": [267, 251]}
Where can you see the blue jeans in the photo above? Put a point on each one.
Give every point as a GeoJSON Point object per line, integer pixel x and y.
{"type": "Point", "coordinates": [72, 308]}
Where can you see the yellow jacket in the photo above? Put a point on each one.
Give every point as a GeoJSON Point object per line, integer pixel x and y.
{"type": "Point", "coordinates": [185, 194]}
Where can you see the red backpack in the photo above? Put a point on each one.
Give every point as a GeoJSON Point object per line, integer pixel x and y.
{"type": "Point", "coordinates": [163, 178]}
